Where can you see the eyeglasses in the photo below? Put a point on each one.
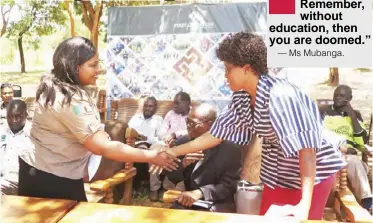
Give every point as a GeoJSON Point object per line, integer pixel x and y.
{"type": "Point", "coordinates": [193, 123]}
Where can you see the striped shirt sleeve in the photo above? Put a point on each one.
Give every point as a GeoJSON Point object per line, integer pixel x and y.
{"type": "Point", "coordinates": [295, 119]}
{"type": "Point", "coordinates": [231, 126]}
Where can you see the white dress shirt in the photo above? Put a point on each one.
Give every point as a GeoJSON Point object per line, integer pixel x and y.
{"type": "Point", "coordinates": [147, 127]}
{"type": "Point", "coordinates": [11, 146]}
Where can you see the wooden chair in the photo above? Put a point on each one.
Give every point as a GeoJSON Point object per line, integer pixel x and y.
{"type": "Point", "coordinates": [101, 186]}
{"type": "Point", "coordinates": [101, 104]}
{"type": "Point", "coordinates": [367, 159]}
{"type": "Point", "coordinates": [30, 103]}
{"type": "Point", "coordinates": [125, 108]}
{"type": "Point", "coordinates": [94, 92]}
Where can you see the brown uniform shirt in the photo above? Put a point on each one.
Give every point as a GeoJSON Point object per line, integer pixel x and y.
{"type": "Point", "coordinates": [58, 133]}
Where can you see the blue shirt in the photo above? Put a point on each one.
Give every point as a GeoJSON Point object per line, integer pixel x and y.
{"type": "Point", "coordinates": [287, 120]}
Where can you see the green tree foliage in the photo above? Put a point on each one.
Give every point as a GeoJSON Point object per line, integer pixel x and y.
{"type": "Point", "coordinates": [6, 7]}
{"type": "Point", "coordinates": [90, 13]}
{"type": "Point", "coordinates": [37, 18]}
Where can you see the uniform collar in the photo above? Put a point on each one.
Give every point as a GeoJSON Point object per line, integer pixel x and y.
{"type": "Point", "coordinates": [143, 117]}
{"type": "Point", "coordinates": [25, 129]}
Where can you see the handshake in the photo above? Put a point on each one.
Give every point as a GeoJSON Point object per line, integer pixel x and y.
{"type": "Point", "coordinates": [166, 159]}
{"type": "Point", "coordinates": [163, 158]}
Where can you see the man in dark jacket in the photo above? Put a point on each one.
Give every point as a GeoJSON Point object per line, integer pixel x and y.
{"type": "Point", "coordinates": [210, 178]}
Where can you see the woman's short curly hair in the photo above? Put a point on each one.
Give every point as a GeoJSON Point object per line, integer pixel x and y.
{"type": "Point", "coordinates": [244, 48]}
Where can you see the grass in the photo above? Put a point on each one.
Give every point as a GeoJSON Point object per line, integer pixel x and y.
{"type": "Point", "coordinates": [33, 78]}
{"type": "Point", "coordinates": [142, 199]}
{"type": "Point", "coordinates": [363, 70]}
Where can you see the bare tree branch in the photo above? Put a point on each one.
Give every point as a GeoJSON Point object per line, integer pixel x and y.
{"type": "Point", "coordinates": [96, 23]}
{"type": "Point", "coordinates": [5, 20]}
{"type": "Point", "coordinates": [8, 10]}
{"type": "Point", "coordinates": [71, 17]}
{"type": "Point", "coordinates": [87, 20]}
{"type": "Point", "coordinates": [87, 4]}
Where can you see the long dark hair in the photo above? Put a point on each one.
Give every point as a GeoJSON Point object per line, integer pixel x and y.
{"type": "Point", "coordinates": [64, 76]}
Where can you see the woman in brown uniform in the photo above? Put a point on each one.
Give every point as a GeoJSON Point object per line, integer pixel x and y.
{"type": "Point", "coordinates": [67, 130]}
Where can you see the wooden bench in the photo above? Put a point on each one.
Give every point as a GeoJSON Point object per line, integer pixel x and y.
{"type": "Point", "coordinates": [112, 173]}
{"type": "Point", "coordinates": [95, 93]}
{"type": "Point", "coordinates": [30, 209]}
{"type": "Point", "coordinates": [125, 108]}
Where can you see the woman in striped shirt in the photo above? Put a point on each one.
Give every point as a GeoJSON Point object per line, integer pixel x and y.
{"type": "Point", "coordinates": [298, 162]}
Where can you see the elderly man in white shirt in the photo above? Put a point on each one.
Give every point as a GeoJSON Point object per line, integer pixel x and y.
{"type": "Point", "coordinates": [14, 139]}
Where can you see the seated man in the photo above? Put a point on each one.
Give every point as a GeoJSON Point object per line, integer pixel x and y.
{"type": "Point", "coordinates": [6, 97]}
{"type": "Point", "coordinates": [14, 139]}
{"type": "Point", "coordinates": [148, 125]}
{"type": "Point", "coordinates": [342, 119]}
{"type": "Point", "coordinates": [174, 124]}
{"type": "Point", "coordinates": [213, 178]}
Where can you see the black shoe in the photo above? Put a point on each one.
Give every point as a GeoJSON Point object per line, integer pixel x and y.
{"type": "Point", "coordinates": [161, 193]}
{"type": "Point", "coordinates": [153, 196]}
{"type": "Point", "coordinates": [367, 204]}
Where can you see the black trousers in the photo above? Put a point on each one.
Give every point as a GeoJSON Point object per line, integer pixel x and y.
{"type": "Point", "coordinates": [36, 183]}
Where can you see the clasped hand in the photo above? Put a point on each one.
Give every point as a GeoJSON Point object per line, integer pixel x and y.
{"type": "Point", "coordinates": [164, 159]}
{"type": "Point", "coordinates": [191, 158]}
{"type": "Point", "coordinates": [187, 198]}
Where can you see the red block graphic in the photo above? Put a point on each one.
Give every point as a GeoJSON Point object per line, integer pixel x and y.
{"type": "Point", "coordinates": [281, 7]}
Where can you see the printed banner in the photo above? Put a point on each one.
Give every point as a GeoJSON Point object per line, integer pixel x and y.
{"type": "Point", "coordinates": [161, 50]}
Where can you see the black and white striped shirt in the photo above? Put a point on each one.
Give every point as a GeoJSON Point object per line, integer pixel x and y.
{"type": "Point", "coordinates": [287, 120]}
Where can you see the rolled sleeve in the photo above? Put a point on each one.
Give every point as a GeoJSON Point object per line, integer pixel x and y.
{"type": "Point", "coordinates": [231, 127]}
{"type": "Point", "coordinates": [295, 119]}
{"type": "Point", "coordinates": [81, 118]}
